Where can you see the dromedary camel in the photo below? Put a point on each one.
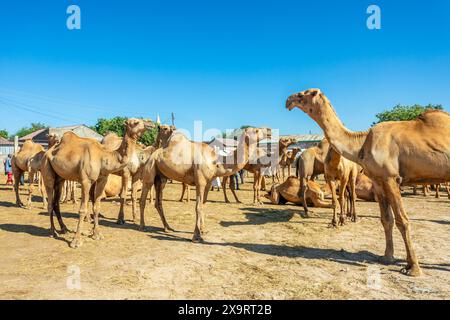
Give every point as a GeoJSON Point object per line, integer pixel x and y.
{"type": "Point", "coordinates": [337, 168]}
{"type": "Point", "coordinates": [133, 170]}
{"type": "Point", "coordinates": [193, 163]}
{"type": "Point", "coordinates": [364, 188]}
{"type": "Point", "coordinates": [256, 165]}
{"type": "Point", "coordinates": [412, 152]}
{"type": "Point", "coordinates": [29, 159]}
{"type": "Point", "coordinates": [289, 191]}
{"type": "Point", "coordinates": [89, 163]}
{"type": "Point", "coordinates": [287, 160]}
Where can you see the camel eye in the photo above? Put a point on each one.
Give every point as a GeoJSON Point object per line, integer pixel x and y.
{"type": "Point", "coordinates": [310, 110]}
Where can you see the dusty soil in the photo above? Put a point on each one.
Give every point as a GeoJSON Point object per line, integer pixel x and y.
{"type": "Point", "coordinates": [252, 252]}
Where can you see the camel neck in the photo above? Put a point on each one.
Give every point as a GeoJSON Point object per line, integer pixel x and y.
{"type": "Point", "coordinates": [348, 143]}
{"type": "Point", "coordinates": [237, 161]}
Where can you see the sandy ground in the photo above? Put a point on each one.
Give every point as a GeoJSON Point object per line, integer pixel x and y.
{"type": "Point", "coordinates": [252, 252]}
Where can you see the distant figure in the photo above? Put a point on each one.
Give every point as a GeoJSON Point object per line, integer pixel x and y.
{"type": "Point", "coordinates": [8, 169]}
{"type": "Point", "coordinates": [235, 180]}
{"type": "Point", "coordinates": [241, 174]}
{"type": "Point", "coordinates": [215, 184]}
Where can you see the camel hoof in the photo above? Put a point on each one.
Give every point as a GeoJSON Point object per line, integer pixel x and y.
{"type": "Point", "coordinates": [387, 260]}
{"type": "Point", "coordinates": [64, 230]}
{"type": "Point", "coordinates": [120, 221]}
{"type": "Point", "coordinates": [197, 239]}
{"type": "Point", "coordinates": [412, 271]}
{"type": "Point", "coordinates": [169, 229]}
{"type": "Point", "coordinates": [76, 243]}
{"type": "Point", "coordinates": [141, 228]}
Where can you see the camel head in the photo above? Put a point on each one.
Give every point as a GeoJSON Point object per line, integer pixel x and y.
{"type": "Point", "coordinates": [135, 128]}
{"type": "Point", "coordinates": [254, 135]}
{"type": "Point", "coordinates": [286, 142]}
{"type": "Point", "coordinates": [310, 101]}
{"type": "Point", "coordinates": [164, 133]}
{"type": "Point", "coordinates": [53, 139]}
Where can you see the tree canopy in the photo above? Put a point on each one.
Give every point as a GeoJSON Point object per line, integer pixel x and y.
{"type": "Point", "coordinates": [4, 134]}
{"type": "Point", "coordinates": [32, 128]}
{"type": "Point", "coordinates": [404, 112]}
{"type": "Point", "coordinates": [116, 124]}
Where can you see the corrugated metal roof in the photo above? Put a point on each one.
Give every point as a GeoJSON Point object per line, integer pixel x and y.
{"type": "Point", "coordinates": [5, 142]}
{"type": "Point", "coordinates": [30, 136]}
{"type": "Point", "coordinates": [306, 137]}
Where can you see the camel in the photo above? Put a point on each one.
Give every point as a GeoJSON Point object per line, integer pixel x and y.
{"type": "Point", "coordinates": [87, 162]}
{"type": "Point", "coordinates": [68, 192]}
{"type": "Point", "coordinates": [133, 170]}
{"type": "Point", "coordinates": [337, 168]}
{"type": "Point", "coordinates": [426, 189]}
{"type": "Point", "coordinates": [391, 153]}
{"type": "Point", "coordinates": [364, 188]}
{"type": "Point", "coordinates": [29, 159]}
{"type": "Point", "coordinates": [256, 166]}
{"type": "Point", "coordinates": [287, 160]}
{"type": "Point", "coordinates": [289, 191]}
{"type": "Point", "coordinates": [193, 163]}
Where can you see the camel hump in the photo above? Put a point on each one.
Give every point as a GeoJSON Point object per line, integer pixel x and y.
{"type": "Point", "coordinates": [434, 117]}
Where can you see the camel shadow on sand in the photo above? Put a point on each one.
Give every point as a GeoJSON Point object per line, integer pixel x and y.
{"type": "Point", "coordinates": [24, 228]}
{"type": "Point", "coordinates": [359, 259]}
{"type": "Point", "coordinates": [258, 216]}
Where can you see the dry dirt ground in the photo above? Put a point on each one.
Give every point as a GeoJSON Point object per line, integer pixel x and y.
{"type": "Point", "coordinates": [251, 252]}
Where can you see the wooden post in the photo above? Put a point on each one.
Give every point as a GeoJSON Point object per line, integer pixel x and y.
{"type": "Point", "coordinates": [16, 144]}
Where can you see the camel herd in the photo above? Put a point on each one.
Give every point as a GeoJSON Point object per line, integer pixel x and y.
{"type": "Point", "coordinates": [372, 165]}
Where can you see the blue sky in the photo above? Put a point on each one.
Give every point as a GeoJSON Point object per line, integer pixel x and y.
{"type": "Point", "coordinates": [227, 63]}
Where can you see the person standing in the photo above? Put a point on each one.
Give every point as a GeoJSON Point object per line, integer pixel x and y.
{"type": "Point", "coordinates": [8, 170]}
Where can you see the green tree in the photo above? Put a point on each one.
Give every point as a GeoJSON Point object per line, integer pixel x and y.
{"type": "Point", "coordinates": [116, 124]}
{"type": "Point", "coordinates": [4, 134]}
{"type": "Point", "coordinates": [403, 112]}
{"type": "Point", "coordinates": [27, 130]}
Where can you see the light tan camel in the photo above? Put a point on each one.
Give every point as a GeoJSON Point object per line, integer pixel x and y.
{"type": "Point", "coordinates": [89, 163]}
{"type": "Point", "coordinates": [289, 191]}
{"type": "Point", "coordinates": [287, 160]}
{"type": "Point", "coordinates": [310, 164]}
{"type": "Point", "coordinates": [337, 168]}
{"type": "Point", "coordinates": [133, 170]}
{"type": "Point", "coordinates": [193, 163]}
{"type": "Point", "coordinates": [29, 159]}
{"type": "Point", "coordinates": [364, 188]}
{"type": "Point", "coordinates": [390, 153]}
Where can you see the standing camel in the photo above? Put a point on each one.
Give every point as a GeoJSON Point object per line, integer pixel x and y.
{"type": "Point", "coordinates": [133, 169]}
{"type": "Point", "coordinates": [29, 159]}
{"type": "Point", "coordinates": [337, 168]}
{"type": "Point", "coordinates": [391, 153]}
{"type": "Point", "coordinates": [193, 163]}
{"type": "Point", "coordinates": [309, 165]}
{"type": "Point", "coordinates": [287, 160]}
{"type": "Point", "coordinates": [89, 163]}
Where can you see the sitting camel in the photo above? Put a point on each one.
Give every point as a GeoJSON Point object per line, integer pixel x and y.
{"type": "Point", "coordinates": [287, 160]}
{"type": "Point", "coordinates": [29, 159]}
{"type": "Point", "coordinates": [133, 170]}
{"type": "Point", "coordinates": [289, 191]}
{"type": "Point", "coordinates": [391, 153]}
{"type": "Point", "coordinates": [364, 188]}
{"type": "Point", "coordinates": [193, 163]}
{"type": "Point", "coordinates": [337, 168]}
{"type": "Point", "coordinates": [89, 163]}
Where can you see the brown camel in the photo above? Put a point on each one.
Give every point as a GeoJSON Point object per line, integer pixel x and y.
{"type": "Point", "coordinates": [310, 164]}
{"type": "Point", "coordinates": [364, 188]}
{"type": "Point", "coordinates": [133, 170]}
{"type": "Point", "coordinates": [337, 168]}
{"type": "Point", "coordinates": [289, 191]}
{"type": "Point", "coordinates": [89, 163]}
{"type": "Point", "coordinates": [193, 163]}
{"type": "Point", "coordinates": [29, 159]}
{"type": "Point", "coordinates": [287, 160]}
{"type": "Point", "coordinates": [412, 152]}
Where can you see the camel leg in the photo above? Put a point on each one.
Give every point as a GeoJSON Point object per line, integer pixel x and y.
{"type": "Point", "coordinates": [283, 172]}
{"type": "Point", "coordinates": [143, 201]}
{"type": "Point", "coordinates": [199, 224]}
{"type": "Point", "coordinates": [402, 222]}
{"type": "Point", "coordinates": [207, 188]}
{"type": "Point", "coordinates": [303, 186]}
{"type": "Point", "coordinates": [134, 184]}
{"type": "Point", "coordinates": [59, 185]}
{"type": "Point", "coordinates": [85, 188]}
{"type": "Point", "coordinates": [415, 190]}
{"type": "Point", "coordinates": [17, 174]}
{"type": "Point", "coordinates": [31, 175]}
{"type": "Point", "coordinates": [123, 196]}
{"type": "Point", "coordinates": [50, 188]}
{"type": "Point", "coordinates": [233, 191]}
{"type": "Point", "coordinates": [332, 185]}
{"type": "Point", "coordinates": [99, 188]}
{"type": "Point", "coordinates": [447, 187]}
{"type": "Point", "coordinates": [289, 170]}
{"type": "Point", "coordinates": [353, 198]}
{"type": "Point", "coordinates": [438, 186]}
{"type": "Point", "coordinates": [263, 182]}
{"type": "Point", "coordinates": [426, 190]}
{"type": "Point", "coordinates": [255, 182]}
{"type": "Point", "coordinates": [224, 188]}
{"type": "Point", "coordinates": [43, 191]}
{"type": "Point", "coordinates": [387, 220]}
{"type": "Point", "coordinates": [183, 191]}
{"type": "Point", "coordinates": [342, 193]}
{"type": "Point", "coordinates": [160, 183]}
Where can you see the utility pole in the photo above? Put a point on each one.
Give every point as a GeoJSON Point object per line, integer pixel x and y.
{"type": "Point", "coordinates": [173, 119]}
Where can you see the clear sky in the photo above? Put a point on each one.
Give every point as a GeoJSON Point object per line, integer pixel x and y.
{"type": "Point", "coordinates": [228, 63]}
